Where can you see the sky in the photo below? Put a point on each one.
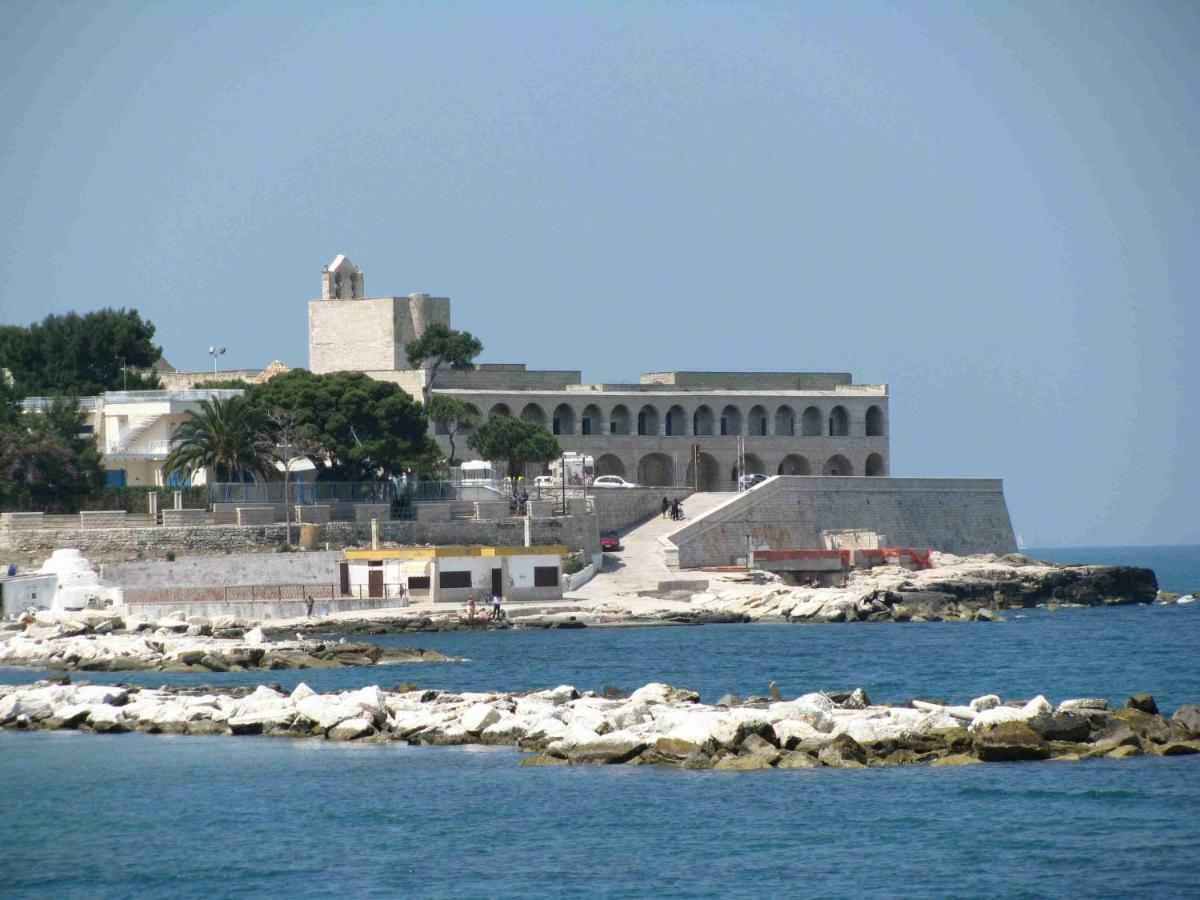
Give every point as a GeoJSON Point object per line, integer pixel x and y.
{"type": "Point", "coordinates": [990, 207]}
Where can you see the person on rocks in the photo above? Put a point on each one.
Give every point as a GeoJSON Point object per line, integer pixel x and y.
{"type": "Point", "coordinates": [308, 606]}
{"type": "Point", "coordinates": [497, 615]}
{"type": "Point", "coordinates": [666, 507]}
{"type": "Point", "coordinates": [471, 608]}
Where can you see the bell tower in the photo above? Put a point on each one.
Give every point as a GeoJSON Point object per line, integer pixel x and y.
{"type": "Point", "coordinates": [341, 280]}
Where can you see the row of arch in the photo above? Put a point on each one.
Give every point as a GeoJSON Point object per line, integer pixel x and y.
{"type": "Point", "coordinates": [658, 469]}
{"type": "Point", "coordinates": [813, 421]}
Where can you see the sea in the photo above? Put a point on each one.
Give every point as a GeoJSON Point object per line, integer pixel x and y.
{"type": "Point", "coordinates": [168, 816]}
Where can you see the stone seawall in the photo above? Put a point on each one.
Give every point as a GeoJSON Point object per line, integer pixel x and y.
{"type": "Point", "coordinates": [576, 532]}
{"type": "Point", "coordinates": [954, 515]}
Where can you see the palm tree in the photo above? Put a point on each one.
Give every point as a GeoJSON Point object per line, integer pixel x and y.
{"type": "Point", "coordinates": [226, 435]}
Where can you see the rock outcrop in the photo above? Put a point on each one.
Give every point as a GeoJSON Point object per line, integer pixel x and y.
{"type": "Point", "coordinates": [103, 642]}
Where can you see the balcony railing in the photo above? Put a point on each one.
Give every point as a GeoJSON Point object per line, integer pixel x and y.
{"type": "Point", "coordinates": [147, 449]}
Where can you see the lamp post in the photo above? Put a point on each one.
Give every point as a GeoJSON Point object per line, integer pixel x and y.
{"type": "Point", "coordinates": [214, 352]}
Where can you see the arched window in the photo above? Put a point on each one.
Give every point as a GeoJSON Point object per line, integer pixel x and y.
{"type": "Point", "coordinates": [874, 422]}
{"type": "Point", "coordinates": [875, 465]}
{"type": "Point", "coordinates": [810, 422]}
{"type": "Point", "coordinates": [731, 420]}
{"type": "Point", "coordinates": [618, 420]}
{"type": "Point", "coordinates": [647, 422]}
{"type": "Point", "coordinates": [564, 419]}
{"type": "Point", "coordinates": [533, 414]}
{"type": "Point", "coordinates": [839, 422]}
{"type": "Point", "coordinates": [702, 420]}
{"type": "Point", "coordinates": [591, 422]}
{"type": "Point", "coordinates": [756, 425]}
{"type": "Point", "coordinates": [676, 421]}
{"type": "Point", "coordinates": [785, 421]}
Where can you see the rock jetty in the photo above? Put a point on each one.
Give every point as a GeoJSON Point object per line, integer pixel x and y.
{"type": "Point", "coordinates": [104, 642]}
{"type": "Point", "coordinates": [655, 725]}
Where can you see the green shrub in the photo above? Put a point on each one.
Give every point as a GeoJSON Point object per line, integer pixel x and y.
{"type": "Point", "coordinates": [285, 547]}
{"type": "Point", "coordinates": [571, 565]}
{"type": "Point", "coordinates": [169, 556]}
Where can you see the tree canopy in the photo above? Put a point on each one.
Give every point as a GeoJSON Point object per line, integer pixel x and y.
{"type": "Point", "coordinates": [360, 428]}
{"type": "Point", "coordinates": [45, 463]}
{"type": "Point", "coordinates": [229, 436]}
{"type": "Point", "coordinates": [76, 355]}
{"type": "Point", "coordinates": [506, 438]}
{"type": "Point", "coordinates": [438, 346]}
{"type": "Point", "coordinates": [454, 417]}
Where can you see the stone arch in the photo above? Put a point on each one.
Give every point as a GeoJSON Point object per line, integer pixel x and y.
{"type": "Point", "coordinates": [656, 470]}
{"type": "Point", "coordinates": [647, 420]}
{"type": "Point", "coordinates": [754, 465]}
{"type": "Point", "coordinates": [592, 420]}
{"type": "Point", "coordinates": [758, 422]}
{"type": "Point", "coordinates": [534, 414]}
{"type": "Point", "coordinates": [609, 464]}
{"type": "Point", "coordinates": [731, 420]}
{"type": "Point", "coordinates": [618, 419]}
{"type": "Point", "coordinates": [837, 465]}
{"type": "Point", "coordinates": [874, 422]}
{"type": "Point", "coordinates": [710, 474]}
{"type": "Point", "coordinates": [703, 420]}
{"type": "Point", "coordinates": [676, 421]}
{"type": "Point", "coordinates": [785, 421]}
{"type": "Point", "coordinates": [810, 422]}
{"type": "Point", "coordinates": [839, 422]}
{"type": "Point", "coordinates": [564, 419]}
{"type": "Point", "coordinates": [499, 409]}
{"type": "Point", "coordinates": [875, 465]}
{"type": "Point", "coordinates": [795, 464]}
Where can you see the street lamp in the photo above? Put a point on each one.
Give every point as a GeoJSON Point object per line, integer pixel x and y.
{"type": "Point", "coordinates": [214, 352]}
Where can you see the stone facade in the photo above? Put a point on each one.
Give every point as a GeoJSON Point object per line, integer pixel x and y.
{"type": "Point", "coordinates": [954, 515]}
{"type": "Point", "coordinates": [657, 432]}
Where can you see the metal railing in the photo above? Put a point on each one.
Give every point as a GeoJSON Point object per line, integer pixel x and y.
{"type": "Point", "coordinates": [307, 492]}
{"type": "Point", "coordinates": [41, 404]}
{"type": "Point", "coordinates": [160, 395]}
{"type": "Point", "coordinates": [141, 448]}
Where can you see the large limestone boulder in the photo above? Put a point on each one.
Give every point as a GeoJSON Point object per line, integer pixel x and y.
{"type": "Point", "coordinates": [989, 718]}
{"type": "Point", "coordinates": [657, 692]}
{"type": "Point", "coordinates": [351, 729]}
{"type": "Point", "coordinates": [1011, 740]}
{"type": "Point", "coordinates": [478, 717]}
{"type": "Point", "coordinates": [1188, 718]}
{"type": "Point", "coordinates": [843, 752]}
{"type": "Point", "coordinates": [608, 749]}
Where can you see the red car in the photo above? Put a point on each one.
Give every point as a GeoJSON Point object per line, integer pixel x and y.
{"type": "Point", "coordinates": [610, 542]}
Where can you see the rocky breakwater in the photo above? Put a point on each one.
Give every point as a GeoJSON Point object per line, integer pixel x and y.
{"type": "Point", "coordinates": [105, 642]}
{"type": "Point", "coordinates": [656, 725]}
{"type": "Point", "coordinates": [954, 589]}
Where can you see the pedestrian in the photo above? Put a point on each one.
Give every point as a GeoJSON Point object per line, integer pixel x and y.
{"type": "Point", "coordinates": [666, 507]}
{"type": "Point", "coordinates": [471, 608]}
{"type": "Point", "coordinates": [308, 606]}
{"type": "Point", "coordinates": [496, 614]}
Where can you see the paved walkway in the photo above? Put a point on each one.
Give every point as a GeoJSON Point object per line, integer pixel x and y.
{"type": "Point", "coordinates": [641, 566]}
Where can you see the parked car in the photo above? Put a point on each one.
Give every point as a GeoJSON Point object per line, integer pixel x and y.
{"type": "Point", "coordinates": [610, 542]}
{"type": "Point", "coordinates": [612, 481]}
{"type": "Point", "coordinates": [748, 481]}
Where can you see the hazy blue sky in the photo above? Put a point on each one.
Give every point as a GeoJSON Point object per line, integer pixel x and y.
{"type": "Point", "coordinates": [990, 207]}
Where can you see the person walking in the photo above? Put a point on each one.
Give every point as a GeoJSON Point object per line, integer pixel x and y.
{"type": "Point", "coordinates": [471, 608]}
{"type": "Point", "coordinates": [666, 508]}
{"type": "Point", "coordinates": [308, 605]}
{"type": "Point", "coordinates": [497, 615]}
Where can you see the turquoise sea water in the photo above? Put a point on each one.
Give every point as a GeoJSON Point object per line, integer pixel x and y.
{"type": "Point", "coordinates": [134, 815]}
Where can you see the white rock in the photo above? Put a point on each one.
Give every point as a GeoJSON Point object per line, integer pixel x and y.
{"type": "Point", "coordinates": [656, 692]}
{"type": "Point", "coordinates": [349, 729]}
{"type": "Point", "coordinates": [255, 636]}
{"type": "Point", "coordinates": [1038, 706]}
{"type": "Point", "coordinates": [301, 691]}
{"type": "Point", "coordinates": [1083, 703]}
{"type": "Point", "coordinates": [507, 728]}
{"type": "Point", "coordinates": [479, 717]}
{"type": "Point", "coordinates": [795, 731]}
{"type": "Point", "coordinates": [564, 693]}
{"type": "Point", "coordinates": [369, 700]}
{"type": "Point", "coordinates": [988, 701]}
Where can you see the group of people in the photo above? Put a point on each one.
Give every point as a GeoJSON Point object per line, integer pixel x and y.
{"type": "Point", "coordinates": [497, 613]}
{"type": "Point", "coordinates": [672, 508]}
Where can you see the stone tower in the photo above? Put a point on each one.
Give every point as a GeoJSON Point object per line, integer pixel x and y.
{"type": "Point", "coordinates": [349, 331]}
{"type": "Point", "coordinates": [341, 280]}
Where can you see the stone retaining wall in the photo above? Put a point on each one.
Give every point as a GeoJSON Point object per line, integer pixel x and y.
{"type": "Point", "coordinates": [178, 517]}
{"type": "Point", "coordinates": [576, 532]}
{"type": "Point", "coordinates": [955, 515]}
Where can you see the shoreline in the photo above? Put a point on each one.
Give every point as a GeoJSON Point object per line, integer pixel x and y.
{"type": "Point", "coordinates": [655, 725]}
